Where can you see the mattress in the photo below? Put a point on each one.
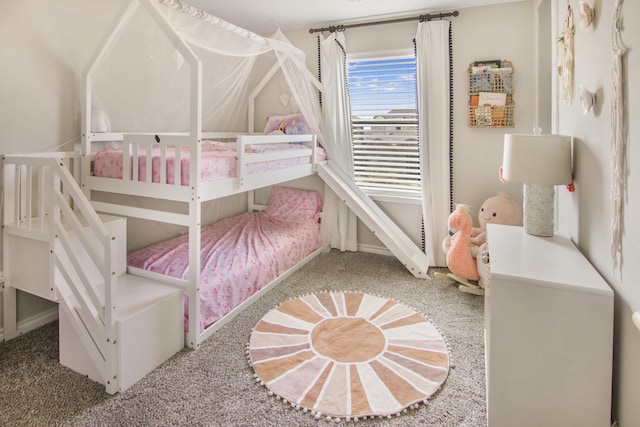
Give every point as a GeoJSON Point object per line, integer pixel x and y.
{"type": "Point", "coordinates": [241, 254]}
{"type": "Point", "coordinates": [218, 161]}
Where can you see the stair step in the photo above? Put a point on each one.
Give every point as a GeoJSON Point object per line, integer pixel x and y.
{"type": "Point", "coordinates": [150, 330]}
{"type": "Point", "coordinates": [149, 323]}
{"type": "Point", "coordinates": [136, 294]}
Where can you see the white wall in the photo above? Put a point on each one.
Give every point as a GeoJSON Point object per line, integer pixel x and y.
{"type": "Point", "coordinates": [586, 214]}
{"type": "Point", "coordinates": [498, 32]}
{"type": "Point", "coordinates": [45, 46]}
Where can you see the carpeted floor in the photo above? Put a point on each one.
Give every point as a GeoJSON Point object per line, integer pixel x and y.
{"type": "Point", "coordinates": [214, 386]}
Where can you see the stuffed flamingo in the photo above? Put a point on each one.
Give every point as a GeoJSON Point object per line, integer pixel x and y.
{"type": "Point", "coordinates": [459, 258]}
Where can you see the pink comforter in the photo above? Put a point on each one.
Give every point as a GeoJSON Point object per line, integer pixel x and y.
{"type": "Point", "coordinates": [218, 161]}
{"type": "Point", "coordinates": [240, 254]}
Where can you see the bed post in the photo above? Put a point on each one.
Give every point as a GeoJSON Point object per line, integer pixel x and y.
{"type": "Point", "coordinates": [194, 337]}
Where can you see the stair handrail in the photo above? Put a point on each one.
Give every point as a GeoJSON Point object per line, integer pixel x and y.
{"type": "Point", "coordinates": [60, 208]}
{"type": "Point", "coordinates": [97, 308]}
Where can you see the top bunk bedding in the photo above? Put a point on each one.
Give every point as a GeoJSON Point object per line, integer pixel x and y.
{"type": "Point", "coordinates": [218, 161]}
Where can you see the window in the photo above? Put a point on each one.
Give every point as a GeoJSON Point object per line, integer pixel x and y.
{"type": "Point", "coordinates": [384, 125]}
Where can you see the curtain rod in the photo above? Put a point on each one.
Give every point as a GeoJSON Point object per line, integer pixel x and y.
{"type": "Point", "coordinates": [422, 18]}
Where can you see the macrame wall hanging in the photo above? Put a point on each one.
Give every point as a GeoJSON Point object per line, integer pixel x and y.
{"type": "Point", "coordinates": [618, 139]}
{"type": "Point", "coordinates": [565, 68]}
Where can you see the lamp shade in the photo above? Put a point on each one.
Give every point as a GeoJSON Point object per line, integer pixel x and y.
{"type": "Point", "coordinates": [537, 159]}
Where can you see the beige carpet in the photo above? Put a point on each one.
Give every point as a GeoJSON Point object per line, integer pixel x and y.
{"type": "Point", "coordinates": [348, 355]}
{"type": "Point", "coordinates": [214, 386]}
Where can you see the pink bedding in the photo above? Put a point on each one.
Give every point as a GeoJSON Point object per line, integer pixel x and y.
{"type": "Point", "coordinates": [241, 254]}
{"type": "Point", "coordinates": [218, 161]}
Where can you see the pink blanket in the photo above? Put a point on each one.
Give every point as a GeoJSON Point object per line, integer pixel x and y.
{"type": "Point", "coordinates": [241, 254]}
{"type": "Point", "coordinates": [218, 161]}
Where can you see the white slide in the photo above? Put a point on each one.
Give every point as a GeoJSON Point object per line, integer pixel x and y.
{"type": "Point", "coordinates": [378, 222]}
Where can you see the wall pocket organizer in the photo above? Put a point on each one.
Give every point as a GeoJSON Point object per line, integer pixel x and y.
{"type": "Point", "coordinates": [491, 94]}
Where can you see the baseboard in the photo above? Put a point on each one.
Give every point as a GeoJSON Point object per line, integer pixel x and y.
{"type": "Point", "coordinates": [35, 321]}
{"type": "Point", "coordinates": [380, 250]}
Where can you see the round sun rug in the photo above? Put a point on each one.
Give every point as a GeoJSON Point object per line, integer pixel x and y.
{"type": "Point", "coordinates": [348, 355]}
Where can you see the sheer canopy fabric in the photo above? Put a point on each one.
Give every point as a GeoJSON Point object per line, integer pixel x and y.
{"type": "Point", "coordinates": [143, 81]}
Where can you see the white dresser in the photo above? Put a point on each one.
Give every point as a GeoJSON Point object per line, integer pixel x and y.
{"type": "Point", "coordinates": [548, 333]}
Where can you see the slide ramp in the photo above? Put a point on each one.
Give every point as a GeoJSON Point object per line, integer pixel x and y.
{"type": "Point", "coordinates": [375, 219]}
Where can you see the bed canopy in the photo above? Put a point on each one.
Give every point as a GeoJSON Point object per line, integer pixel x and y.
{"type": "Point", "coordinates": [168, 67]}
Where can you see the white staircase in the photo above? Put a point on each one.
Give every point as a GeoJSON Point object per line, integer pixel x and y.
{"type": "Point", "coordinates": [373, 217]}
{"type": "Point", "coordinates": [114, 327]}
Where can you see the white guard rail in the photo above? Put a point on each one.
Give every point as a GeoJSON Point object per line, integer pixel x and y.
{"type": "Point", "coordinates": [171, 149]}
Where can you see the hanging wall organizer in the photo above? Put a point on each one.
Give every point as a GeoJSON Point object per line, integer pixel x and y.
{"type": "Point", "coordinates": [491, 94]}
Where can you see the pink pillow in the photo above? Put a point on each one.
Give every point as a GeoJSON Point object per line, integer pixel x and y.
{"type": "Point", "coordinates": [290, 204]}
{"type": "Point", "coordinates": [293, 124]}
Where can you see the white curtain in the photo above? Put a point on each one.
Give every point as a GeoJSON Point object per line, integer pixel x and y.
{"type": "Point", "coordinates": [434, 102]}
{"type": "Point", "coordinates": [339, 222]}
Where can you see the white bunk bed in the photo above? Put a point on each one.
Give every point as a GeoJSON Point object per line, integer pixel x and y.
{"type": "Point", "coordinates": [117, 325]}
{"type": "Point", "coordinates": [68, 210]}
{"type": "Point", "coordinates": [181, 161]}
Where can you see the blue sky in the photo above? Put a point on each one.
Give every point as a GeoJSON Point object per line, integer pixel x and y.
{"type": "Point", "coordinates": [375, 90]}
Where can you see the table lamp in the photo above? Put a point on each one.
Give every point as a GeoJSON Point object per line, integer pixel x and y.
{"type": "Point", "coordinates": [539, 162]}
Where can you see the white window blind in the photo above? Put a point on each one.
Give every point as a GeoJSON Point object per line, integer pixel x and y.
{"type": "Point", "coordinates": [384, 125]}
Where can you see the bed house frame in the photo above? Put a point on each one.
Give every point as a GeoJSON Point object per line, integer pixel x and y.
{"type": "Point", "coordinates": [63, 242]}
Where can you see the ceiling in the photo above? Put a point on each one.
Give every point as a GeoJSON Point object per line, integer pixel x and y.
{"type": "Point", "coordinates": [265, 16]}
